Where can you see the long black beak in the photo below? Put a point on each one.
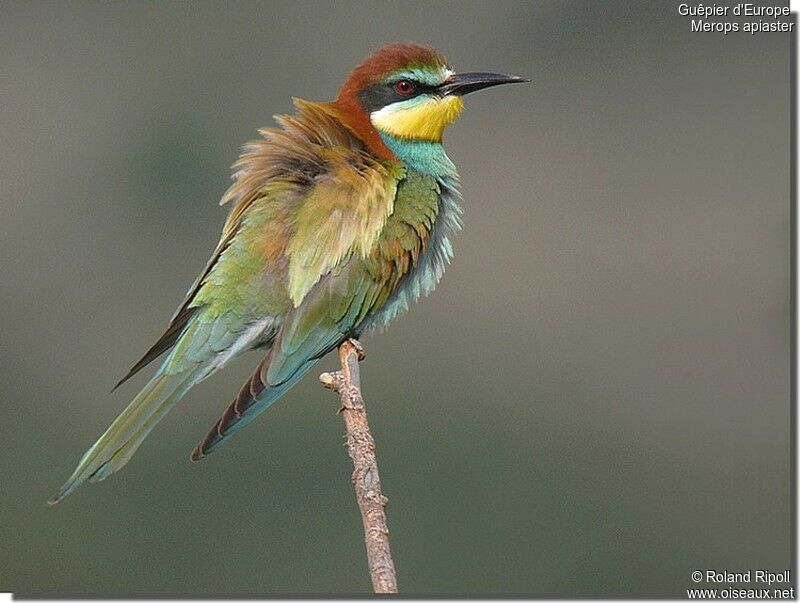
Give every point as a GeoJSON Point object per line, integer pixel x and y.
{"type": "Point", "coordinates": [464, 83]}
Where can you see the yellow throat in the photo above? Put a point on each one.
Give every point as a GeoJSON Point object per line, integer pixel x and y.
{"type": "Point", "coordinates": [421, 119]}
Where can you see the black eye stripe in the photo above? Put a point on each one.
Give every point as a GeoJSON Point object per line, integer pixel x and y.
{"type": "Point", "coordinates": [377, 96]}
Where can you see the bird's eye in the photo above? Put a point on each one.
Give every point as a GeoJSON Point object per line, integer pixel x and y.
{"type": "Point", "coordinates": [404, 87]}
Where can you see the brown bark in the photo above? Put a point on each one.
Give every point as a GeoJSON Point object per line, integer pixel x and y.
{"type": "Point", "coordinates": [366, 481]}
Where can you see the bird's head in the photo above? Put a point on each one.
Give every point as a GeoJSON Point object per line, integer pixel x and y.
{"type": "Point", "coordinates": [408, 92]}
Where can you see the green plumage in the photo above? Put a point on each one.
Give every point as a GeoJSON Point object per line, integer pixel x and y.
{"type": "Point", "coordinates": [340, 218]}
{"type": "Point", "coordinates": [309, 257]}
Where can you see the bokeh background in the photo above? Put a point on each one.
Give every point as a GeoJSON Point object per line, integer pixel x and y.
{"type": "Point", "coordinates": [596, 398]}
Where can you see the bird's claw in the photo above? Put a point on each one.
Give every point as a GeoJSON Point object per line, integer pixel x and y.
{"type": "Point", "coordinates": [358, 348]}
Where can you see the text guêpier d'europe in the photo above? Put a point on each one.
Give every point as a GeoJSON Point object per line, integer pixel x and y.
{"type": "Point", "coordinates": [769, 18]}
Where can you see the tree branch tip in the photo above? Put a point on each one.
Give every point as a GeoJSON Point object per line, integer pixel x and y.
{"type": "Point", "coordinates": [329, 381]}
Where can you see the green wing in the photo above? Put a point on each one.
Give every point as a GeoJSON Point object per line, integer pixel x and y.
{"type": "Point", "coordinates": [302, 260]}
{"type": "Point", "coordinates": [336, 307]}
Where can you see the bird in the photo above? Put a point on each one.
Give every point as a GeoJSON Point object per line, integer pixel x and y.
{"type": "Point", "coordinates": [341, 216]}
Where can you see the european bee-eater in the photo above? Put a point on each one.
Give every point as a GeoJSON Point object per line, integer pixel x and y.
{"type": "Point", "coordinates": [340, 218]}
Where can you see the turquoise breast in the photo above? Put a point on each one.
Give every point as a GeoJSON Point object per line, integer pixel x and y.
{"type": "Point", "coordinates": [430, 159]}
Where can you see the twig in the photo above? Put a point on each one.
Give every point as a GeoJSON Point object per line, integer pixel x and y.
{"type": "Point", "coordinates": [366, 481]}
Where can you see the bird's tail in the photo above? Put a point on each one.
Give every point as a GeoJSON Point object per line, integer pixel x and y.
{"type": "Point", "coordinates": [117, 445]}
{"type": "Point", "coordinates": [254, 397]}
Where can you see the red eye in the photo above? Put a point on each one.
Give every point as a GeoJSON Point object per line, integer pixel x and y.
{"type": "Point", "coordinates": [404, 87]}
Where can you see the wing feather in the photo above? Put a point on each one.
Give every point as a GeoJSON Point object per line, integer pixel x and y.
{"type": "Point", "coordinates": [336, 307]}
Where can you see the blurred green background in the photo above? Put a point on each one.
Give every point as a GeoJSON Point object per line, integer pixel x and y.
{"type": "Point", "coordinates": [594, 401]}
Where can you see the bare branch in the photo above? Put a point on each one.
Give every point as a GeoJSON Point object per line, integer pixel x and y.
{"type": "Point", "coordinates": [366, 481]}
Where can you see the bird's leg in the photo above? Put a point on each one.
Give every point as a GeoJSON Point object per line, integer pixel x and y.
{"type": "Point", "coordinates": [346, 382]}
{"type": "Point", "coordinates": [351, 352]}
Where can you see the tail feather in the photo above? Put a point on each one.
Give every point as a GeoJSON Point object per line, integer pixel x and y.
{"type": "Point", "coordinates": [116, 446]}
{"type": "Point", "coordinates": [254, 397]}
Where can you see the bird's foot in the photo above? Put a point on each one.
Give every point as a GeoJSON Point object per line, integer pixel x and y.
{"type": "Point", "coordinates": [358, 348]}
